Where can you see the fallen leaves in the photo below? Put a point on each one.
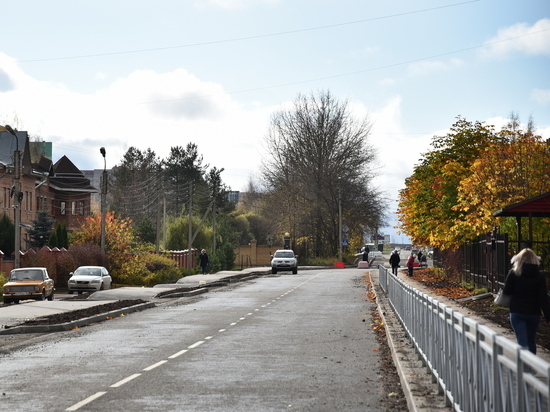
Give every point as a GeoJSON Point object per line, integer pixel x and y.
{"type": "Point", "coordinates": [441, 285]}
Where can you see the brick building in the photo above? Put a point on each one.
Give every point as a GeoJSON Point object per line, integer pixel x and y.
{"type": "Point", "coordinates": [60, 188]}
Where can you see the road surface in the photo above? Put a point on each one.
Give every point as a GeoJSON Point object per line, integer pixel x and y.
{"type": "Point", "coordinates": [290, 342]}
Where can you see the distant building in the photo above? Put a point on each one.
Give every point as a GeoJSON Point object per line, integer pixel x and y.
{"type": "Point", "coordinates": [60, 188]}
{"type": "Point", "coordinates": [234, 196]}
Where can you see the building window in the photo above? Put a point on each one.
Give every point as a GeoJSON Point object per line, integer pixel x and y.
{"type": "Point", "coordinates": [73, 208]}
{"type": "Point", "coordinates": [62, 208]}
{"type": "Point", "coordinates": [82, 208]}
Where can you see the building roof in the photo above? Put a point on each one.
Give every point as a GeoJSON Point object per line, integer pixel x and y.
{"type": "Point", "coordinates": [536, 207]}
{"type": "Point", "coordinates": [68, 178]}
{"type": "Point", "coordinates": [9, 144]}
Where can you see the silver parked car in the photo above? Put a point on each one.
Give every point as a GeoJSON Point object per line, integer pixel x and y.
{"type": "Point", "coordinates": [284, 259]}
{"type": "Point", "coordinates": [89, 279]}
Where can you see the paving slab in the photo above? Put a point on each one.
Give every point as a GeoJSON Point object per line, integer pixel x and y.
{"type": "Point", "coordinates": [16, 314]}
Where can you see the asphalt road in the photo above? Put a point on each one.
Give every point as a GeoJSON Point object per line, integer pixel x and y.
{"type": "Point", "coordinates": [291, 342]}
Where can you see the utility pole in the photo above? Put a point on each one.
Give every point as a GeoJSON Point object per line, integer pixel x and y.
{"type": "Point", "coordinates": [214, 212]}
{"type": "Point", "coordinates": [190, 234]}
{"type": "Point", "coordinates": [18, 196]}
{"type": "Point", "coordinates": [103, 199]}
{"type": "Point", "coordinates": [340, 258]}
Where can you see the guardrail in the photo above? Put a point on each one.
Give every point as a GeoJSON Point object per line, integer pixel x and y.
{"type": "Point", "coordinates": [475, 368]}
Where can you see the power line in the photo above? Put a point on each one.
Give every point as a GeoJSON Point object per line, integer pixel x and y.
{"type": "Point", "coordinates": [253, 37]}
{"type": "Point", "coordinates": [387, 66]}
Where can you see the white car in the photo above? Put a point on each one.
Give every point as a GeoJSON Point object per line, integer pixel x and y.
{"type": "Point", "coordinates": [284, 259]}
{"type": "Point", "coordinates": [89, 279]}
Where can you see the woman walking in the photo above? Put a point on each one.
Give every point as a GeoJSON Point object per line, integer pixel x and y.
{"type": "Point", "coordinates": [527, 287]}
{"type": "Point", "coordinates": [394, 261]}
{"type": "Point", "coordinates": [203, 260]}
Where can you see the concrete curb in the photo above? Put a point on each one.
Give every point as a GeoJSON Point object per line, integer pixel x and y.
{"type": "Point", "coordinates": [76, 323]}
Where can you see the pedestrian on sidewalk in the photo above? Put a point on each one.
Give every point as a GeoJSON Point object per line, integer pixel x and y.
{"type": "Point", "coordinates": [410, 264]}
{"type": "Point", "coordinates": [394, 261]}
{"type": "Point", "coordinates": [527, 287]}
{"type": "Point", "coordinates": [203, 260]}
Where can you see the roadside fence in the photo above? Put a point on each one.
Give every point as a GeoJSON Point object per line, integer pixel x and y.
{"type": "Point", "coordinates": [475, 368]}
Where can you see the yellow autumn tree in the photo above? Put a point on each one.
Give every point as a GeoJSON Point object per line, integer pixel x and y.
{"type": "Point", "coordinates": [426, 208]}
{"type": "Point", "coordinates": [505, 173]}
{"type": "Point", "coordinates": [120, 236]}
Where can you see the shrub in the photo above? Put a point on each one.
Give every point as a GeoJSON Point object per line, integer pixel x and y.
{"type": "Point", "coordinates": [161, 270]}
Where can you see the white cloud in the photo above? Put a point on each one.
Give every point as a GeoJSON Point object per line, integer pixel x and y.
{"type": "Point", "coordinates": [364, 52]}
{"type": "Point", "coordinates": [541, 96]}
{"type": "Point", "coordinates": [428, 67]}
{"type": "Point", "coordinates": [387, 82]}
{"type": "Point", "coordinates": [521, 38]}
{"type": "Point", "coordinates": [144, 109]}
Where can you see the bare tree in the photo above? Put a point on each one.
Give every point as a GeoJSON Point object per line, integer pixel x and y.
{"type": "Point", "coordinates": [319, 157]}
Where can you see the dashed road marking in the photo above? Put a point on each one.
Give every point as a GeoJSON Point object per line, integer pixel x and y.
{"type": "Point", "coordinates": [97, 395]}
{"type": "Point", "coordinates": [175, 355]}
{"type": "Point", "coordinates": [86, 401]}
{"type": "Point", "coordinates": [125, 380]}
{"type": "Point", "coordinates": [149, 368]}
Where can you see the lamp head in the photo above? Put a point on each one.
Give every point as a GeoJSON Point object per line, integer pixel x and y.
{"type": "Point", "coordinates": [102, 150]}
{"type": "Point", "coordinates": [10, 130]}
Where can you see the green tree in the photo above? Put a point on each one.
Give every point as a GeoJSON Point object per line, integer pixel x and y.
{"type": "Point", "coordinates": [182, 167]}
{"type": "Point", "coordinates": [41, 230]}
{"type": "Point", "coordinates": [7, 235]}
{"type": "Point", "coordinates": [146, 231]}
{"type": "Point", "coordinates": [135, 188]}
{"type": "Point", "coordinates": [62, 238]}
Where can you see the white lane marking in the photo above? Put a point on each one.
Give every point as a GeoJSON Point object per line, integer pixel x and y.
{"type": "Point", "coordinates": [256, 310]}
{"type": "Point", "coordinates": [86, 401]}
{"type": "Point", "coordinates": [162, 362]}
{"type": "Point", "coordinates": [125, 380]}
{"type": "Point", "coordinates": [242, 318]}
{"type": "Point", "coordinates": [131, 377]}
{"type": "Point", "coordinates": [175, 355]}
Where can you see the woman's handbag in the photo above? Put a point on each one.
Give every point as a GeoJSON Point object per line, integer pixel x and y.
{"type": "Point", "coordinates": [502, 299]}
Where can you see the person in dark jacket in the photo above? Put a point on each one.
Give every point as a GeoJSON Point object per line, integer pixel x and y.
{"type": "Point", "coordinates": [203, 260]}
{"type": "Point", "coordinates": [394, 261]}
{"type": "Point", "coordinates": [527, 287]}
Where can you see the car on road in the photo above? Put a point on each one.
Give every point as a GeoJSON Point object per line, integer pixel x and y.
{"type": "Point", "coordinates": [284, 260]}
{"type": "Point", "coordinates": [28, 283]}
{"type": "Point", "coordinates": [89, 279]}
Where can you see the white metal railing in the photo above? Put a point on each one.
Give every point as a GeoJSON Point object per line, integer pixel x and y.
{"type": "Point", "coordinates": [476, 369]}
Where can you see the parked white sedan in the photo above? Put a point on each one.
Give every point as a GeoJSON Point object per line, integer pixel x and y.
{"type": "Point", "coordinates": [89, 279]}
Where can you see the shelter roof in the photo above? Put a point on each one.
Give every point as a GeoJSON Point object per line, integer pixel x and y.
{"type": "Point", "coordinates": [536, 207]}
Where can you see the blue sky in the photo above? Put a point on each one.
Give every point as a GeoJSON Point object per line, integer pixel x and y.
{"type": "Point", "coordinates": [86, 74]}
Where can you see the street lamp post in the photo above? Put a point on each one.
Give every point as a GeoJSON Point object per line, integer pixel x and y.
{"type": "Point", "coordinates": [103, 199]}
{"type": "Point", "coordinates": [17, 197]}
